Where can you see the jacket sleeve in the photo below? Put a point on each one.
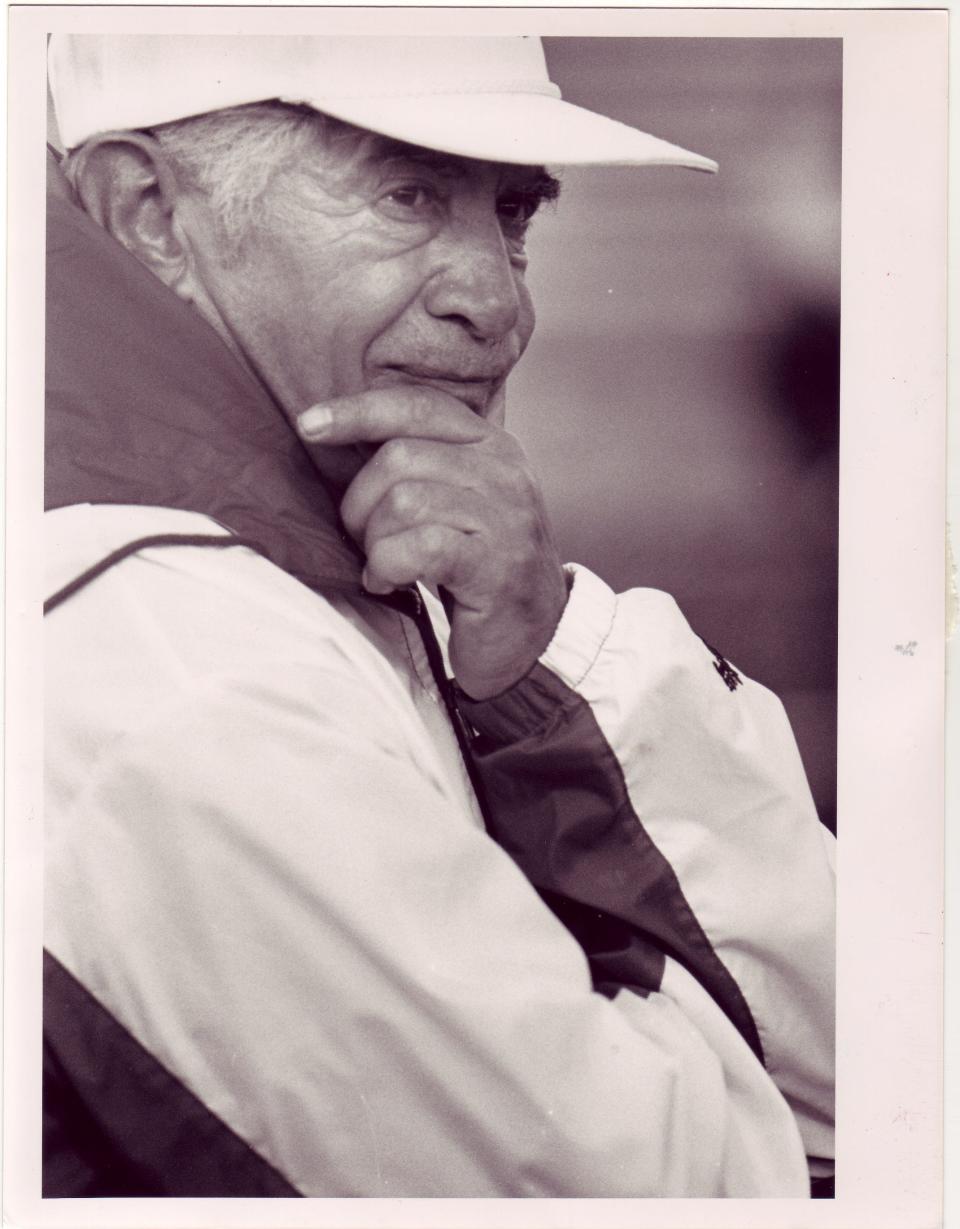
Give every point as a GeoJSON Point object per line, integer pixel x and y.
{"type": "Point", "coordinates": [658, 801]}
{"type": "Point", "coordinates": [254, 866]}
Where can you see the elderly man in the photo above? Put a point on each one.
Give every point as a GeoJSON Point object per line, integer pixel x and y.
{"type": "Point", "coordinates": [386, 855]}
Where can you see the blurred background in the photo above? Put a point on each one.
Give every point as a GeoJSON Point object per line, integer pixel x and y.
{"type": "Point", "coordinates": [680, 397]}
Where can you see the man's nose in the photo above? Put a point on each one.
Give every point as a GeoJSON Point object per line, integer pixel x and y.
{"type": "Point", "coordinates": [476, 282]}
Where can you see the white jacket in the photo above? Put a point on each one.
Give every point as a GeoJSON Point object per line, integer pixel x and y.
{"type": "Point", "coordinates": [265, 863]}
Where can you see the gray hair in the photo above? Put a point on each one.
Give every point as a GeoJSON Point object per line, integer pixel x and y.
{"type": "Point", "coordinates": [231, 156]}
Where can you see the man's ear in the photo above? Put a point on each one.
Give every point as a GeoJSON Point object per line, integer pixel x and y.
{"type": "Point", "coordinates": [125, 183]}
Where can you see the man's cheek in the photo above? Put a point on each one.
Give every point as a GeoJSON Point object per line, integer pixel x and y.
{"type": "Point", "coordinates": [346, 351]}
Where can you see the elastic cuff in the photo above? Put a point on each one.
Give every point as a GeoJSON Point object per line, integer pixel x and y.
{"type": "Point", "coordinates": [524, 710]}
{"type": "Point", "coordinates": [535, 701]}
{"type": "Point", "coordinates": [583, 628]}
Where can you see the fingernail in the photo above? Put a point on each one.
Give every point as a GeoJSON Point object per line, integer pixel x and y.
{"type": "Point", "coordinates": [315, 420]}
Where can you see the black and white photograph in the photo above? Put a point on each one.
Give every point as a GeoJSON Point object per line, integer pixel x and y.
{"type": "Point", "coordinates": [450, 428]}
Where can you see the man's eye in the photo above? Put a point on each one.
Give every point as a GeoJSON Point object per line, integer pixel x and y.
{"type": "Point", "coordinates": [515, 212]}
{"type": "Point", "coordinates": [517, 208]}
{"type": "Point", "coordinates": [411, 198]}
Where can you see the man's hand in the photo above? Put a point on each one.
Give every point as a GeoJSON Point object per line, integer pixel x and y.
{"type": "Point", "coordinates": [448, 499]}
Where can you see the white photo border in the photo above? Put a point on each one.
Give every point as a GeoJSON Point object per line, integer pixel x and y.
{"type": "Point", "coordinates": [891, 767]}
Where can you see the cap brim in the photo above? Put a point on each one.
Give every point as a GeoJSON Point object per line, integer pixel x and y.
{"type": "Point", "coordinates": [526, 129]}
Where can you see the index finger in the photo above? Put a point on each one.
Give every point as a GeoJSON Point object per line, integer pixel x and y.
{"type": "Point", "coordinates": [379, 414]}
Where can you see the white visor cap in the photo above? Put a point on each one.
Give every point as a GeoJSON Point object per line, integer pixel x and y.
{"type": "Point", "coordinates": [479, 97]}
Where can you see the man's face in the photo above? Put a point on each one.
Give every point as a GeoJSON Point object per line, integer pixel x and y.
{"type": "Point", "coordinates": [381, 265]}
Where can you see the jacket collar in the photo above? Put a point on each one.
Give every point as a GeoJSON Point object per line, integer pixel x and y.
{"type": "Point", "coordinates": [145, 404]}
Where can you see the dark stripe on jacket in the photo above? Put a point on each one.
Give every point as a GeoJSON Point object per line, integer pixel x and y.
{"type": "Point", "coordinates": [146, 405]}
{"type": "Point", "coordinates": [116, 1122]}
{"type": "Point", "coordinates": [562, 811]}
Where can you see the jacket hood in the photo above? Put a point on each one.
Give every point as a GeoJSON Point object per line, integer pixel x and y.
{"type": "Point", "coordinates": [145, 404]}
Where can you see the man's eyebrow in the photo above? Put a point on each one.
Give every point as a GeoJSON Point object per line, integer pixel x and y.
{"type": "Point", "coordinates": [538, 182]}
{"type": "Point", "coordinates": [531, 180]}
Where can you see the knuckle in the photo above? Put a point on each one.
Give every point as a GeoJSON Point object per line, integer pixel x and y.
{"type": "Point", "coordinates": [382, 561]}
{"type": "Point", "coordinates": [349, 511]}
{"type": "Point", "coordinates": [405, 499]}
{"type": "Point", "coordinates": [433, 541]}
{"type": "Point", "coordinates": [395, 454]}
{"type": "Point", "coordinates": [375, 559]}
